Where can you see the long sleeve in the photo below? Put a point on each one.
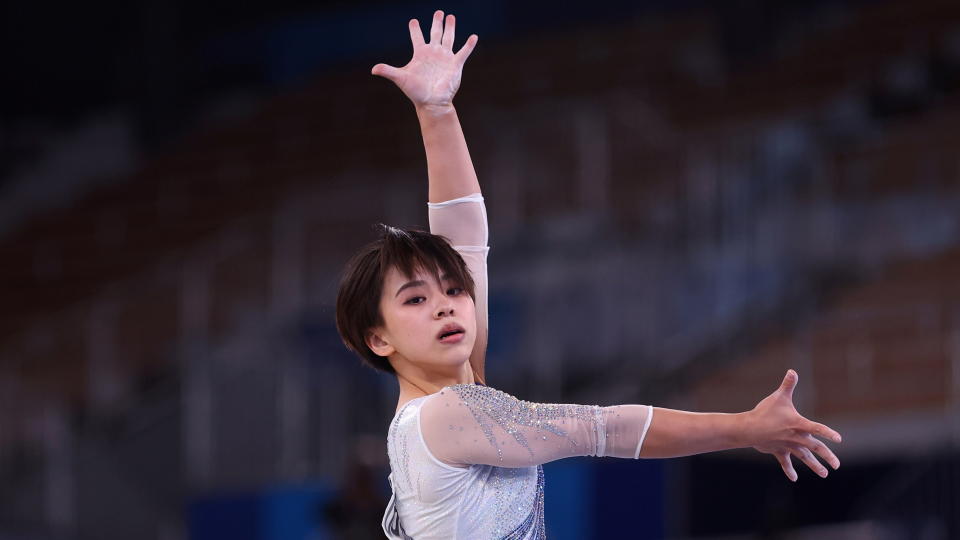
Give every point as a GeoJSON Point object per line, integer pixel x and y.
{"type": "Point", "coordinates": [463, 221]}
{"type": "Point", "coordinates": [471, 424]}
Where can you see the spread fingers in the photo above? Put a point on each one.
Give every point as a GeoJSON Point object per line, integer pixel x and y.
{"type": "Point", "coordinates": [436, 30]}
{"type": "Point", "coordinates": [449, 33]}
{"type": "Point", "coordinates": [416, 35]}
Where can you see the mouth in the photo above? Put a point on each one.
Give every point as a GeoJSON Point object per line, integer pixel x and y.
{"type": "Point", "coordinates": [451, 333]}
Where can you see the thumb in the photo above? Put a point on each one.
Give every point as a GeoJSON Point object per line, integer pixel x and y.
{"type": "Point", "coordinates": [789, 383]}
{"type": "Point", "coordinates": [385, 71]}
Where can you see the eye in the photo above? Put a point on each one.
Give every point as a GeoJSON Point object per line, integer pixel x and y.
{"type": "Point", "coordinates": [413, 300]}
{"type": "Point", "coordinates": [454, 291]}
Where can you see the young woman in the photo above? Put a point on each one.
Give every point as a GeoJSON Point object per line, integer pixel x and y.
{"type": "Point", "coordinates": [465, 458]}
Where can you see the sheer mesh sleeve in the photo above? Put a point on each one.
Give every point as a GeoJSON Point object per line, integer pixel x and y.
{"type": "Point", "coordinates": [463, 221]}
{"type": "Point", "coordinates": [471, 424]}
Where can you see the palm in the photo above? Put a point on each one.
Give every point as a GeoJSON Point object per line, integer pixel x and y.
{"type": "Point", "coordinates": [432, 76]}
{"type": "Point", "coordinates": [777, 428]}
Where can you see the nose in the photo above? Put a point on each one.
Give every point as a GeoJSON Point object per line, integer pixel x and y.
{"type": "Point", "coordinates": [444, 310]}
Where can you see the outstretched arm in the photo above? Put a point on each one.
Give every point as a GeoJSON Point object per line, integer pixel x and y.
{"type": "Point", "coordinates": [430, 80]}
{"type": "Point", "coordinates": [772, 427]}
{"type": "Point", "coordinates": [466, 424]}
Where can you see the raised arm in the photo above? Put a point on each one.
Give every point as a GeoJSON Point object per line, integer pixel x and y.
{"type": "Point", "coordinates": [456, 208]}
{"type": "Point", "coordinates": [430, 80]}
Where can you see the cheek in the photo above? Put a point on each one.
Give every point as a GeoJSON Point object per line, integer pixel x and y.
{"type": "Point", "coordinates": [409, 323]}
{"type": "Point", "coordinates": [469, 310]}
{"type": "Point", "coordinates": [398, 320]}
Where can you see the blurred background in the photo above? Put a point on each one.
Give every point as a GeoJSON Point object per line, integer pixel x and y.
{"type": "Point", "coordinates": [685, 198]}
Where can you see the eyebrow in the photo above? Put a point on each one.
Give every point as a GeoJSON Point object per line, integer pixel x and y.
{"type": "Point", "coordinates": [418, 283]}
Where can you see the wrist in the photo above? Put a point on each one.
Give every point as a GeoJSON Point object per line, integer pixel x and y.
{"type": "Point", "coordinates": [429, 110]}
{"type": "Point", "coordinates": [741, 435]}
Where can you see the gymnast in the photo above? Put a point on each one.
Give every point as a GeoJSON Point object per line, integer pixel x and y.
{"type": "Point", "coordinates": [465, 458]}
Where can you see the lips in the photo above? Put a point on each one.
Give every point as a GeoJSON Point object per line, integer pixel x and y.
{"type": "Point", "coordinates": [449, 330]}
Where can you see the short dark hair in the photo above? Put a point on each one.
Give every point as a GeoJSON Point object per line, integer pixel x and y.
{"type": "Point", "coordinates": [358, 297]}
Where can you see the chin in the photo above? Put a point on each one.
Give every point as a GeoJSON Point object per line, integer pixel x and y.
{"type": "Point", "coordinates": [455, 356]}
{"type": "Point", "coordinates": [462, 349]}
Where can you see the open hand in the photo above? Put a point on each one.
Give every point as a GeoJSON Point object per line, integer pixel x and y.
{"type": "Point", "coordinates": [775, 427]}
{"type": "Point", "coordinates": [431, 78]}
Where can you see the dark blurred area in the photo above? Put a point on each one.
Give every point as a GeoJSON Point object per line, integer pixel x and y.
{"type": "Point", "coordinates": [685, 199]}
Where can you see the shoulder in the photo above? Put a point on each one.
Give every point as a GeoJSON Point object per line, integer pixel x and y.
{"type": "Point", "coordinates": [471, 392]}
{"type": "Point", "coordinates": [404, 418]}
{"type": "Point", "coordinates": [466, 400]}
{"type": "Point", "coordinates": [409, 450]}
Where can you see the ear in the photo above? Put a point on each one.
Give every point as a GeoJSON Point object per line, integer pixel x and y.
{"type": "Point", "coordinates": [380, 347]}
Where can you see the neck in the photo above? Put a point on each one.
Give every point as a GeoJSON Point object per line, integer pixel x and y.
{"type": "Point", "coordinates": [416, 382]}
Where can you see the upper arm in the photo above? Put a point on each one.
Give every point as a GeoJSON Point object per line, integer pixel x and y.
{"type": "Point", "coordinates": [467, 424]}
{"type": "Point", "coordinates": [463, 221]}
{"type": "Point", "coordinates": [477, 264]}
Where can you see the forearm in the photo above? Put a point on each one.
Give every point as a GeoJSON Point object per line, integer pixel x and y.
{"type": "Point", "coordinates": [450, 170]}
{"type": "Point", "coordinates": [675, 433]}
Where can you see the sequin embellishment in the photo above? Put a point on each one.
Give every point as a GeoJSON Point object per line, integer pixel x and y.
{"type": "Point", "coordinates": [534, 519]}
{"type": "Point", "coordinates": [484, 500]}
{"type": "Point", "coordinates": [402, 444]}
{"type": "Point", "coordinates": [509, 413]}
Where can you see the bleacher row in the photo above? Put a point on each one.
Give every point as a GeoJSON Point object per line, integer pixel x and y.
{"type": "Point", "coordinates": [125, 246]}
{"type": "Point", "coordinates": [920, 153]}
{"type": "Point", "coordinates": [887, 347]}
{"type": "Point", "coordinates": [857, 49]}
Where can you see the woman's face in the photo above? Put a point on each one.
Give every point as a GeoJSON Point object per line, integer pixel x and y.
{"type": "Point", "coordinates": [418, 314]}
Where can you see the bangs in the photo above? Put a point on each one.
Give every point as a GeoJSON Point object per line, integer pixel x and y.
{"type": "Point", "coordinates": [413, 251]}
